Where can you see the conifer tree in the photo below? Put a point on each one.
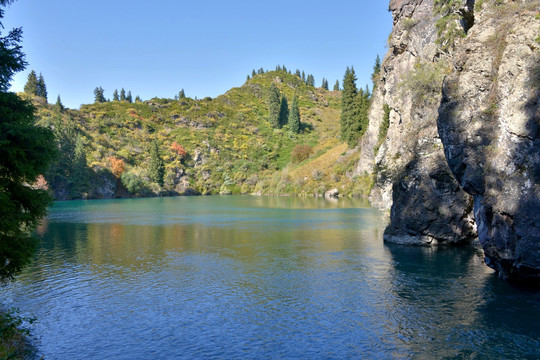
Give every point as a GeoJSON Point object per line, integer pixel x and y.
{"type": "Point", "coordinates": [42, 88]}
{"type": "Point", "coordinates": [350, 114]}
{"type": "Point", "coordinates": [157, 167]}
{"type": "Point", "coordinates": [336, 86]}
{"type": "Point", "coordinates": [32, 85]}
{"type": "Point", "coordinates": [324, 84]}
{"type": "Point", "coordinates": [79, 179]}
{"type": "Point", "coordinates": [294, 116]}
{"type": "Point", "coordinates": [138, 98]}
{"type": "Point", "coordinates": [274, 106]}
{"type": "Point", "coordinates": [115, 95]}
{"type": "Point", "coordinates": [98, 95]}
{"type": "Point", "coordinates": [283, 112]}
{"type": "Point", "coordinates": [182, 94]}
{"type": "Point", "coordinates": [253, 73]}
{"type": "Point", "coordinates": [297, 73]}
{"type": "Point", "coordinates": [310, 81]}
{"type": "Point", "coordinates": [59, 106]}
{"type": "Point", "coordinates": [129, 98]}
{"type": "Point", "coordinates": [122, 95]}
{"type": "Point", "coordinates": [303, 76]}
{"type": "Point", "coordinates": [376, 71]}
{"type": "Point", "coordinates": [247, 78]}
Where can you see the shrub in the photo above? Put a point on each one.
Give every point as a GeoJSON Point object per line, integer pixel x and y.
{"type": "Point", "coordinates": [133, 183]}
{"type": "Point", "coordinates": [116, 165]}
{"type": "Point", "coordinates": [301, 153]}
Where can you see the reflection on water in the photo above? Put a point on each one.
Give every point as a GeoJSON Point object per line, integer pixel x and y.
{"type": "Point", "coordinates": [255, 277]}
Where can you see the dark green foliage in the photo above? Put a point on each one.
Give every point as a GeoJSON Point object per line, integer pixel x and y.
{"type": "Point", "coordinates": [129, 98]}
{"type": "Point", "coordinates": [324, 84]}
{"type": "Point", "coordinates": [350, 114]}
{"type": "Point", "coordinates": [182, 94]}
{"type": "Point", "coordinates": [25, 153]}
{"type": "Point", "coordinates": [59, 106]}
{"type": "Point", "coordinates": [32, 84]}
{"type": "Point", "coordinates": [133, 183]}
{"type": "Point", "coordinates": [310, 81]}
{"type": "Point", "coordinates": [303, 76]}
{"type": "Point", "coordinates": [274, 106]}
{"type": "Point", "coordinates": [294, 117]}
{"type": "Point", "coordinates": [79, 181]}
{"type": "Point", "coordinates": [248, 78]}
{"type": "Point", "coordinates": [336, 86]}
{"type": "Point", "coordinates": [157, 167]}
{"type": "Point", "coordinates": [42, 88]}
{"type": "Point", "coordinates": [115, 95]}
{"type": "Point", "coordinates": [122, 95]}
{"type": "Point", "coordinates": [99, 95]}
{"type": "Point", "coordinates": [138, 99]}
{"type": "Point", "coordinates": [253, 73]}
{"type": "Point", "coordinates": [376, 71]}
{"type": "Point", "coordinates": [283, 112]}
{"type": "Point", "coordinates": [297, 73]}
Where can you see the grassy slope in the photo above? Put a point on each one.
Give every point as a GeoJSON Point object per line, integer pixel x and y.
{"type": "Point", "coordinates": [230, 144]}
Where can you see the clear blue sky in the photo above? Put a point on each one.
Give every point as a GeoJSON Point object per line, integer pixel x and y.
{"type": "Point", "coordinates": [156, 48]}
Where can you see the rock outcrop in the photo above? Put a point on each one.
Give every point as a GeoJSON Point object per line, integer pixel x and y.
{"type": "Point", "coordinates": [461, 156]}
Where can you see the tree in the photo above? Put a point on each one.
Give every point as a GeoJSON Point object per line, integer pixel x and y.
{"type": "Point", "coordinates": [59, 106]}
{"type": "Point", "coordinates": [283, 112]}
{"type": "Point", "coordinates": [253, 73]}
{"type": "Point", "coordinates": [138, 98]}
{"type": "Point", "coordinates": [182, 94]}
{"type": "Point", "coordinates": [310, 81]}
{"type": "Point", "coordinates": [25, 153]}
{"type": "Point", "coordinates": [350, 114]}
{"type": "Point", "coordinates": [129, 98]}
{"type": "Point", "coordinates": [32, 84]}
{"type": "Point", "coordinates": [42, 88]}
{"type": "Point", "coordinates": [248, 78]}
{"type": "Point", "coordinates": [294, 116]}
{"type": "Point", "coordinates": [274, 105]}
{"type": "Point", "coordinates": [336, 86]}
{"type": "Point", "coordinates": [79, 181]}
{"type": "Point", "coordinates": [157, 167]}
{"type": "Point", "coordinates": [115, 95]}
{"type": "Point", "coordinates": [376, 71]}
{"type": "Point", "coordinates": [297, 73]}
{"type": "Point", "coordinates": [122, 95]}
{"type": "Point", "coordinates": [303, 76]}
{"type": "Point", "coordinates": [98, 95]}
{"type": "Point", "coordinates": [324, 84]}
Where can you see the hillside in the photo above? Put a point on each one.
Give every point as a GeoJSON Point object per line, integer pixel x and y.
{"type": "Point", "coordinates": [230, 147]}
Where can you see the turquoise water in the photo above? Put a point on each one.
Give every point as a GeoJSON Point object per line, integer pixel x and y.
{"type": "Point", "coordinates": [259, 278]}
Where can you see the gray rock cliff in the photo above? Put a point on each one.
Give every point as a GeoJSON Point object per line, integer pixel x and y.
{"type": "Point", "coordinates": [461, 157]}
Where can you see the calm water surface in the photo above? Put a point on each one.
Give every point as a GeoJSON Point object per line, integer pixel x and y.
{"type": "Point", "coordinates": [259, 278]}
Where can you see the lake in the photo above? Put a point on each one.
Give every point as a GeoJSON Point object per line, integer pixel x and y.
{"type": "Point", "coordinates": [232, 277]}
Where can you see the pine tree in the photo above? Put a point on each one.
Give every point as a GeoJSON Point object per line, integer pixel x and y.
{"type": "Point", "coordinates": [274, 106]}
{"type": "Point", "coordinates": [248, 78]}
{"type": "Point", "coordinates": [98, 95]}
{"type": "Point", "coordinates": [303, 76]}
{"type": "Point", "coordinates": [253, 73]}
{"type": "Point", "coordinates": [376, 71]}
{"type": "Point", "coordinates": [42, 88]}
{"type": "Point", "coordinates": [138, 98]}
{"type": "Point", "coordinates": [122, 95]}
{"type": "Point", "coordinates": [157, 167]}
{"type": "Point", "coordinates": [336, 86]}
{"type": "Point", "coordinates": [297, 73]}
{"type": "Point", "coordinates": [59, 106]}
{"type": "Point", "coordinates": [182, 94]}
{"type": "Point", "coordinates": [283, 112]}
{"type": "Point", "coordinates": [294, 117]}
{"type": "Point", "coordinates": [32, 84]}
{"type": "Point", "coordinates": [79, 181]}
{"type": "Point", "coordinates": [350, 114]}
{"type": "Point", "coordinates": [115, 95]}
{"type": "Point", "coordinates": [129, 98]}
{"type": "Point", "coordinates": [310, 81]}
{"type": "Point", "coordinates": [324, 84]}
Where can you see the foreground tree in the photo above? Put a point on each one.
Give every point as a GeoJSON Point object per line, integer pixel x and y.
{"type": "Point", "coordinates": [25, 153]}
{"type": "Point", "coordinates": [350, 115]}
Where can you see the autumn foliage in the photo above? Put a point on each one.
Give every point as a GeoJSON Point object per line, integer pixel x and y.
{"type": "Point", "coordinates": [117, 166]}
{"type": "Point", "coordinates": [179, 150]}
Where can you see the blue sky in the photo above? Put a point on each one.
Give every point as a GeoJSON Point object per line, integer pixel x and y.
{"type": "Point", "coordinates": [156, 48]}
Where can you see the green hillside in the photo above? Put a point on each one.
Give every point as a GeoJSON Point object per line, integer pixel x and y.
{"type": "Point", "coordinates": [208, 146]}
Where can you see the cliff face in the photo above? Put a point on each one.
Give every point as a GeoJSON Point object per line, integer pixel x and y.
{"type": "Point", "coordinates": [461, 157]}
{"type": "Point", "coordinates": [489, 123]}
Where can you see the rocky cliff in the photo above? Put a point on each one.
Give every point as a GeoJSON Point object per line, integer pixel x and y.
{"type": "Point", "coordinates": [459, 88]}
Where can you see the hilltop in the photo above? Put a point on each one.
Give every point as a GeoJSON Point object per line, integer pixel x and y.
{"type": "Point", "coordinates": [222, 145]}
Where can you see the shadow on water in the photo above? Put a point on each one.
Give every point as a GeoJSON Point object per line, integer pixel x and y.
{"type": "Point", "coordinates": [450, 305]}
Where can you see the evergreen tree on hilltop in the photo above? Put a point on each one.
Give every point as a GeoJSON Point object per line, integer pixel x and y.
{"type": "Point", "coordinates": [138, 98]}
{"type": "Point", "coordinates": [310, 81]}
{"type": "Point", "coordinates": [129, 98]}
{"type": "Point", "coordinates": [324, 84]}
{"type": "Point", "coordinates": [336, 86]}
{"type": "Point", "coordinates": [122, 95]}
{"type": "Point", "coordinates": [283, 112]}
{"type": "Point", "coordinates": [303, 76]}
{"type": "Point", "coordinates": [115, 95]}
{"type": "Point", "coordinates": [157, 167]}
{"type": "Point", "coordinates": [350, 115]}
{"type": "Point", "coordinates": [294, 116]}
{"type": "Point", "coordinates": [42, 88]}
{"type": "Point", "coordinates": [25, 153]}
{"type": "Point", "coordinates": [376, 71]}
{"type": "Point", "coordinates": [274, 105]}
{"type": "Point", "coordinates": [32, 84]}
{"type": "Point", "coordinates": [99, 95]}
{"type": "Point", "coordinates": [253, 73]}
{"type": "Point", "coordinates": [59, 106]}
{"type": "Point", "coordinates": [297, 73]}
{"type": "Point", "coordinates": [182, 94]}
